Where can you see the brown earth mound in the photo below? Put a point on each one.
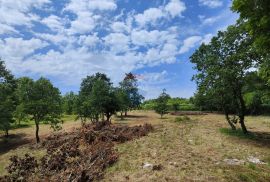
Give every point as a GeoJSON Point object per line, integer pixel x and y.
{"type": "Point", "coordinates": [78, 156]}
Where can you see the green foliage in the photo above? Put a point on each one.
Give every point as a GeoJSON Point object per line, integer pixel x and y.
{"type": "Point", "coordinates": [42, 101]}
{"type": "Point", "coordinates": [122, 100]}
{"type": "Point", "coordinates": [256, 14]}
{"type": "Point", "coordinates": [162, 104]}
{"type": "Point", "coordinates": [174, 104]}
{"type": "Point", "coordinates": [69, 103]}
{"type": "Point", "coordinates": [222, 66]}
{"type": "Point", "coordinates": [7, 98]}
{"type": "Point", "coordinates": [253, 102]}
{"type": "Point", "coordinates": [97, 98]}
{"type": "Point", "coordinates": [130, 86]}
{"type": "Point", "coordinates": [181, 119]}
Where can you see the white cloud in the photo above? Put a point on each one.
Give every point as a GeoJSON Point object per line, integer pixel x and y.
{"type": "Point", "coordinates": [117, 42]}
{"type": "Point", "coordinates": [90, 5]}
{"type": "Point", "coordinates": [150, 15]}
{"type": "Point", "coordinates": [189, 43]}
{"type": "Point", "coordinates": [211, 3]}
{"type": "Point", "coordinates": [102, 5]}
{"type": "Point", "coordinates": [209, 20]}
{"type": "Point", "coordinates": [207, 38]}
{"type": "Point", "coordinates": [89, 40]}
{"type": "Point", "coordinates": [18, 12]}
{"type": "Point", "coordinates": [84, 23]}
{"type": "Point", "coordinates": [5, 29]}
{"type": "Point", "coordinates": [155, 37]}
{"type": "Point", "coordinates": [175, 7]}
{"type": "Point", "coordinates": [53, 22]}
{"type": "Point", "coordinates": [120, 27]}
{"type": "Point", "coordinates": [19, 48]}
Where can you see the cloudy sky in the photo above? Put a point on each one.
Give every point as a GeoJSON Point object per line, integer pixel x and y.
{"type": "Point", "coordinates": [66, 40]}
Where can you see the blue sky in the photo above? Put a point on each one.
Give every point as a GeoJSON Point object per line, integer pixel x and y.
{"type": "Point", "coordinates": [69, 39]}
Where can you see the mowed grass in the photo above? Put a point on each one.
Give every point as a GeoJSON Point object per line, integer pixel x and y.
{"type": "Point", "coordinates": [189, 148]}
{"type": "Point", "coordinates": [193, 148]}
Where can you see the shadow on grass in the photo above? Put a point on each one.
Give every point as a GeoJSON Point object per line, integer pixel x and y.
{"type": "Point", "coordinates": [260, 137]}
{"type": "Point", "coordinates": [21, 126]}
{"type": "Point", "coordinates": [12, 142]}
{"type": "Point", "coordinates": [135, 116]}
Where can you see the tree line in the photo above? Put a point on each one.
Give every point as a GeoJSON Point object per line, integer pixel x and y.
{"type": "Point", "coordinates": [233, 70]}
{"type": "Point", "coordinates": [25, 99]}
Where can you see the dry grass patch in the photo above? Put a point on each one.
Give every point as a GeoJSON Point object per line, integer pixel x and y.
{"type": "Point", "coordinates": [192, 150]}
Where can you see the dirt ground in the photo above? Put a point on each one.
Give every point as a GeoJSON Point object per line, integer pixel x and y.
{"type": "Point", "coordinates": [193, 150]}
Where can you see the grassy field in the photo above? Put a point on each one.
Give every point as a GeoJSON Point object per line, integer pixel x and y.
{"type": "Point", "coordinates": [187, 149]}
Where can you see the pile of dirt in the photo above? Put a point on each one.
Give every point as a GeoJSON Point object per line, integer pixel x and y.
{"type": "Point", "coordinates": [78, 156]}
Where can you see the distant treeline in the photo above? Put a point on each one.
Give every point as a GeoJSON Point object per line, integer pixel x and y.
{"type": "Point", "coordinates": [173, 104]}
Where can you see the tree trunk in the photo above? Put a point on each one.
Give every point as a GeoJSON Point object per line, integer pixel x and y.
{"type": "Point", "coordinates": [242, 123]}
{"type": "Point", "coordinates": [121, 115]}
{"type": "Point", "coordinates": [229, 121]}
{"type": "Point", "coordinates": [6, 133]}
{"type": "Point", "coordinates": [37, 130]}
{"type": "Point", "coordinates": [242, 114]}
{"type": "Point", "coordinates": [125, 113]}
{"type": "Point", "coordinates": [108, 116]}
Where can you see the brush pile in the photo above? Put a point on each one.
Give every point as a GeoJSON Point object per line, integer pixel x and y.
{"type": "Point", "coordinates": [78, 156]}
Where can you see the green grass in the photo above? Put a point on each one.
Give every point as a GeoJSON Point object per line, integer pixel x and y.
{"type": "Point", "coordinates": [182, 119]}
{"type": "Point", "coordinates": [236, 133]}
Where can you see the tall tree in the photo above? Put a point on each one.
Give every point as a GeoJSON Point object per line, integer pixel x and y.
{"type": "Point", "coordinates": [43, 102]}
{"type": "Point", "coordinates": [222, 66]}
{"type": "Point", "coordinates": [130, 86]}
{"type": "Point", "coordinates": [7, 98]}
{"type": "Point", "coordinates": [97, 98]}
{"type": "Point", "coordinates": [162, 103]}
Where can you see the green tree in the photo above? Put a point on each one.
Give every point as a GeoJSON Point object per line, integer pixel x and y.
{"type": "Point", "coordinates": [122, 100]}
{"type": "Point", "coordinates": [162, 103]}
{"type": "Point", "coordinates": [256, 14]}
{"type": "Point", "coordinates": [20, 114]}
{"type": "Point", "coordinates": [97, 98]}
{"type": "Point", "coordinates": [222, 66]}
{"type": "Point", "coordinates": [69, 103]}
{"type": "Point", "coordinates": [7, 98]}
{"type": "Point", "coordinates": [130, 86]}
{"type": "Point", "coordinates": [43, 102]}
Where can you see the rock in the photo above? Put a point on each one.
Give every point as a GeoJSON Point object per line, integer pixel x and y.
{"type": "Point", "coordinates": [255, 160]}
{"type": "Point", "coordinates": [147, 166]}
{"type": "Point", "coordinates": [234, 161]}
